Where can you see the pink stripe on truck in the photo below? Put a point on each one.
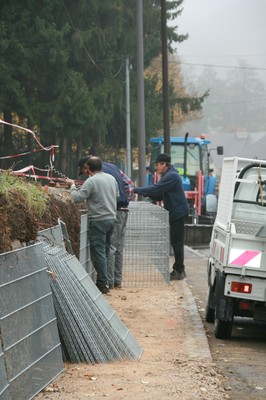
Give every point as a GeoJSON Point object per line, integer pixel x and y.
{"type": "Point", "coordinates": [245, 257]}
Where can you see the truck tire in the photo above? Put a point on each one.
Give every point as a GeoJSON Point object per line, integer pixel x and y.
{"type": "Point", "coordinates": [222, 329]}
{"type": "Point", "coordinates": [210, 311]}
{"type": "Point", "coordinates": [224, 316]}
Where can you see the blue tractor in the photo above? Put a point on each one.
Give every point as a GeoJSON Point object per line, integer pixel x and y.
{"type": "Point", "coordinates": [190, 156]}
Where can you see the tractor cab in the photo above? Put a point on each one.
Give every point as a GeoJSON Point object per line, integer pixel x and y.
{"type": "Point", "coordinates": [189, 156]}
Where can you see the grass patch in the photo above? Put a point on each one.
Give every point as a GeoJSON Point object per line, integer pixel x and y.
{"type": "Point", "coordinates": [32, 192]}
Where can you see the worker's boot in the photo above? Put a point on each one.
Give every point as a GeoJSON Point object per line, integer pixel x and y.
{"type": "Point", "coordinates": [177, 276]}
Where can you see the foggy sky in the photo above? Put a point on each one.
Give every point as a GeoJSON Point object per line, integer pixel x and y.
{"type": "Point", "coordinates": [223, 31]}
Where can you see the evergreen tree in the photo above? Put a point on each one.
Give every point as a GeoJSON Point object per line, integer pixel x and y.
{"type": "Point", "coordinates": [62, 72]}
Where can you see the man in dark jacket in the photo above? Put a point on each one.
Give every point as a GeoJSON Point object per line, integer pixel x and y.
{"type": "Point", "coordinates": [115, 262]}
{"type": "Point", "coordinates": [169, 189]}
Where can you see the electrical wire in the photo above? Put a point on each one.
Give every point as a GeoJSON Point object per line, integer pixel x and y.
{"type": "Point", "coordinates": [218, 66]}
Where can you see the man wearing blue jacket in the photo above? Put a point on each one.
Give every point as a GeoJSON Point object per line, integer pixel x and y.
{"type": "Point", "coordinates": [115, 262]}
{"type": "Point", "coordinates": [169, 189]}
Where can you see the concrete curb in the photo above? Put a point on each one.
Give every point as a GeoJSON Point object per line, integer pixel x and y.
{"type": "Point", "coordinates": [197, 341]}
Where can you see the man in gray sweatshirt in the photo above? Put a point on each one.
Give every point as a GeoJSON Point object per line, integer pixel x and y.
{"type": "Point", "coordinates": [101, 192]}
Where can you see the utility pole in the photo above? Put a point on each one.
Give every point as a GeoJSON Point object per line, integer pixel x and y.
{"type": "Point", "coordinates": [165, 79]}
{"type": "Point", "coordinates": [140, 94]}
{"type": "Point", "coordinates": [128, 133]}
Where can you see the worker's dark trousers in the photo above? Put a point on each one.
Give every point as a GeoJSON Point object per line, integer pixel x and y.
{"type": "Point", "coordinates": [115, 261]}
{"type": "Point", "coordinates": [99, 235]}
{"type": "Point", "coordinates": [177, 236]}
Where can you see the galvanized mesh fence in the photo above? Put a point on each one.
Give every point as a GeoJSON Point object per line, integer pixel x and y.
{"type": "Point", "coordinates": [146, 250]}
{"type": "Point", "coordinates": [146, 247]}
{"type": "Point", "coordinates": [4, 384]}
{"type": "Point", "coordinates": [84, 250]}
{"type": "Point", "coordinates": [30, 353]}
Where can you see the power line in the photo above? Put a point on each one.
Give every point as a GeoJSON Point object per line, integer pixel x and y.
{"type": "Point", "coordinates": [75, 29]}
{"type": "Point", "coordinates": [222, 55]}
{"type": "Point", "coordinates": [235, 102]}
{"type": "Point", "coordinates": [218, 66]}
{"type": "Point", "coordinates": [94, 62]}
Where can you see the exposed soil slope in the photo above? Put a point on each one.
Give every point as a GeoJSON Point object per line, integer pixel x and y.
{"type": "Point", "coordinates": [20, 223]}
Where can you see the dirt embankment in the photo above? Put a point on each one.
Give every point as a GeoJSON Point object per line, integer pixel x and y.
{"type": "Point", "coordinates": [20, 223]}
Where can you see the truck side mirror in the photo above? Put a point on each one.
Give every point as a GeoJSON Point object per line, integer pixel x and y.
{"type": "Point", "coordinates": [220, 150]}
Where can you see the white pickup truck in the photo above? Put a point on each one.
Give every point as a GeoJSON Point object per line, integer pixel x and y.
{"type": "Point", "coordinates": [237, 263]}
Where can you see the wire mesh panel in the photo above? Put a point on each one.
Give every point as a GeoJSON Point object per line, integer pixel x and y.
{"type": "Point", "coordinates": [84, 252]}
{"type": "Point", "coordinates": [89, 328]}
{"type": "Point", "coordinates": [30, 340]}
{"type": "Point", "coordinates": [102, 307]}
{"type": "Point", "coordinates": [146, 250]}
{"type": "Point", "coordinates": [4, 385]}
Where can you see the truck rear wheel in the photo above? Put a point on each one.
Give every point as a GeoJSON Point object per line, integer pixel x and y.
{"type": "Point", "coordinates": [222, 329]}
{"type": "Point", "coordinates": [209, 311]}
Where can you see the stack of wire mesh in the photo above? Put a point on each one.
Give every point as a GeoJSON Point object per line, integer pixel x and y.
{"type": "Point", "coordinates": [147, 247]}
{"type": "Point", "coordinates": [89, 329]}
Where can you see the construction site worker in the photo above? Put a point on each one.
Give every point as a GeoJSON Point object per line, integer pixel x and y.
{"type": "Point", "coordinates": [169, 189]}
{"type": "Point", "coordinates": [101, 192]}
{"type": "Point", "coordinates": [126, 193]}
